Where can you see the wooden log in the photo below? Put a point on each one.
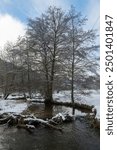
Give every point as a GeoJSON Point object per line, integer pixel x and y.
{"type": "Point", "coordinates": [41, 121]}
{"type": "Point", "coordinates": [28, 121]}
{"type": "Point", "coordinates": [83, 107]}
{"type": "Point", "coordinates": [5, 120]}
{"type": "Point", "coordinates": [63, 117]}
{"type": "Point", "coordinates": [53, 127]}
{"type": "Point", "coordinates": [52, 122]}
{"type": "Point", "coordinates": [29, 128]}
{"type": "Point", "coordinates": [75, 105]}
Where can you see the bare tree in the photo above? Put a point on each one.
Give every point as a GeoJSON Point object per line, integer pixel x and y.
{"type": "Point", "coordinates": [24, 64]}
{"type": "Point", "coordinates": [57, 52]}
{"type": "Point", "coordinates": [49, 35]}
{"type": "Point", "coordinates": [81, 60]}
{"type": "Point", "coordinates": [8, 70]}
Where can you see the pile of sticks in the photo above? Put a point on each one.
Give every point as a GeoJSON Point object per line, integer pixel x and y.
{"type": "Point", "coordinates": [30, 122]}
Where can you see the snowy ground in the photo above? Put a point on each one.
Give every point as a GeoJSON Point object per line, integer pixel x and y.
{"type": "Point", "coordinates": [12, 106]}
{"type": "Point", "coordinates": [92, 99]}
{"type": "Point", "coordinates": [19, 106]}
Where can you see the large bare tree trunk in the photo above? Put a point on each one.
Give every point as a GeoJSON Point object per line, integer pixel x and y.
{"type": "Point", "coordinates": [73, 59]}
{"type": "Point", "coordinates": [72, 82]}
{"type": "Point", "coordinates": [28, 73]}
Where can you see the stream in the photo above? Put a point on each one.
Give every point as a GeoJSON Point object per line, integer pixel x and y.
{"type": "Point", "coordinates": [76, 135]}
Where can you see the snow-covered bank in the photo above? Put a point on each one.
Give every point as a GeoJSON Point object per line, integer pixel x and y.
{"type": "Point", "coordinates": [12, 106]}
{"type": "Point", "coordinates": [92, 99]}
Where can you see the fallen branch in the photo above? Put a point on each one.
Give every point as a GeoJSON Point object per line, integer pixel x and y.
{"type": "Point", "coordinates": [5, 120]}
{"type": "Point", "coordinates": [80, 106]}
{"type": "Point", "coordinates": [27, 127]}
{"type": "Point", "coordinates": [30, 122]}
{"type": "Point", "coordinates": [41, 121]}
{"type": "Point", "coordinates": [84, 107]}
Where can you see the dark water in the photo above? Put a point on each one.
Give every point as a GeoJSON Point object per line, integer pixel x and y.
{"type": "Point", "coordinates": [76, 135]}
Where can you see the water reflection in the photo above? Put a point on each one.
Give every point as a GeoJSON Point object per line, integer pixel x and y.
{"type": "Point", "coordinates": [45, 111]}
{"type": "Point", "coordinates": [73, 111]}
{"type": "Point", "coordinates": [48, 111]}
{"type": "Point", "coordinates": [75, 136]}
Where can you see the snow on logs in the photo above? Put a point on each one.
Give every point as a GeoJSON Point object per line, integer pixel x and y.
{"type": "Point", "coordinates": [30, 122]}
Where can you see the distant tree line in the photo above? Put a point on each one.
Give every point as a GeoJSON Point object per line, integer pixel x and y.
{"type": "Point", "coordinates": [56, 53]}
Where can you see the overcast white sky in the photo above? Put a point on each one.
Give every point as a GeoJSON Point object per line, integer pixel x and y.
{"type": "Point", "coordinates": [14, 14]}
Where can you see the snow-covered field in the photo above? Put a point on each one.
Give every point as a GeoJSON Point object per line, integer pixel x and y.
{"type": "Point", "coordinates": [17, 106]}
{"type": "Point", "coordinates": [12, 106]}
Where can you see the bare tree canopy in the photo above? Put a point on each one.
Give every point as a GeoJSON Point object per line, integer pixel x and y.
{"type": "Point", "coordinates": [56, 53]}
